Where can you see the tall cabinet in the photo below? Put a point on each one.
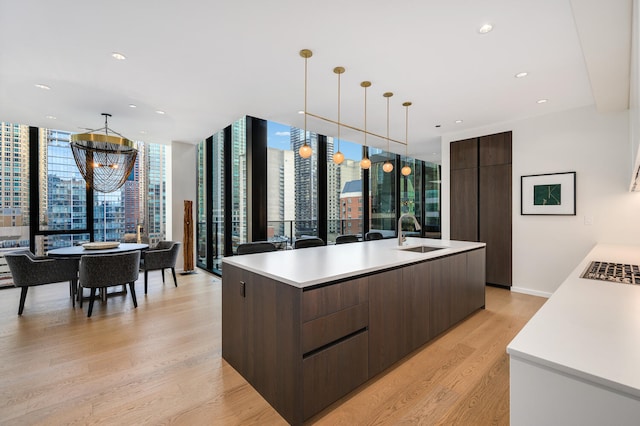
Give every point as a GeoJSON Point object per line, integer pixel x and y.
{"type": "Point", "coordinates": [481, 204]}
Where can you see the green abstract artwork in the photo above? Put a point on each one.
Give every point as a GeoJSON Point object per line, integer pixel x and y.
{"type": "Point", "coordinates": [546, 195]}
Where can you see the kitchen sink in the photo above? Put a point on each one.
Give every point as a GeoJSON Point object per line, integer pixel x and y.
{"type": "Point", "coordinates": [421, 249]}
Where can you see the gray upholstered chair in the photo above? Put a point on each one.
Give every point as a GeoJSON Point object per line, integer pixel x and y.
{"type": "Point", "coordinates": [308, 242]}
{"type": "Point", "coordinates": [160, 257]}
{"type": "Point", "coordinates": [256, 247]}
{"type": "Point", "coordinates": [373, 235]}
{"type": "Point", "coordinates": [344, 239]}
{"type": "Point", "coordinates": [28, 270]}
{"type": "Point", "coordinates": [99, 271]}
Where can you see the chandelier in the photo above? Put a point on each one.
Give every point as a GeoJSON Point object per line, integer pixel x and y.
{"type": "Point", "coordinates": [105, 159]}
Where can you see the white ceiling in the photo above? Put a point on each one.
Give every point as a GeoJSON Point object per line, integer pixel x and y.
{"type": "Point", "coordinates": [208, 63]}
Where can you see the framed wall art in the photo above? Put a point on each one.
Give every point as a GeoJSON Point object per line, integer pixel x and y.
{"type": "Point", "coordinates": [548, 194]}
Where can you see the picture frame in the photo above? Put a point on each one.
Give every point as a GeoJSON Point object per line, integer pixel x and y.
{"type": "Point", "coordinates": [548, 194]}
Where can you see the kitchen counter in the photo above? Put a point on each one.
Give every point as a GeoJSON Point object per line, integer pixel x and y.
{"type": "Point", "coordinates": [588, 332]}
{"type": "Point", "coordinates": [311, 266]}
{"type": "Point", "coordinates": [306, 327]}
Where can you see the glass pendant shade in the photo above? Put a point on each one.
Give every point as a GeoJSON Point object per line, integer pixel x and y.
{"type": "Point", "coordinates": [365, 163]}
{"type": "Point", "coordinates": [338, 157]}
{"type": "Point", "coordinates": [387, 167]}
{"type": "Point", "coordinates": [305, 151]}
{"type": "Point", "coordinates": [406, 171]}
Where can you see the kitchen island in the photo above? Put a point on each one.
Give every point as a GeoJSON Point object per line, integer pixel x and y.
{"type": "Point", "coordinates": [577, 361]}
{"type": "Point", "coordinates": [305, 327]}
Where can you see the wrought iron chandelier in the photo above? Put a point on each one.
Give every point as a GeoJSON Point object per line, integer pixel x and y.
{"type": "Point", "coordinates": [106, 159]}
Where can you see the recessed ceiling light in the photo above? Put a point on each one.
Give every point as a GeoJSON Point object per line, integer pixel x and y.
{"type": "Point", "coordinates": [43, 86]}
{"type": "Point", "coordinates": [542, 101]}
{"type": "Point", "coordinates": [485, 28]}
{"type": "Point", "coordinates": [133, 106]}
{"type": "Point", "coordinates": [458, 121]}
{"type": "Point", "coordinates": [142, 132]}
{"type": "Point", "coordinates": [50, 117]}
{"type": "Point", "coordinates": [437, 126]}
{"type": "Point", "coordinates": [159, 112]}
{"type": "Point", "coordinates": [522, 74]}
{"type": "Point", "coordinates": [118, 56]}
{"type": "Point", "coordinates": [300, 112]}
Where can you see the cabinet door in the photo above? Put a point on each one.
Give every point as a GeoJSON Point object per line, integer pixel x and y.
{"type": "Point", "coordinates": [418, 280]}
{"type": "Point", "coordinates": [495, 149]}
{"type": "Point", "coordinates": [388, 307]}
{"type": "Point", "coordinates": [233, 317]}
{"type": "Point", "coordinates": [464, 204]}
{"type": "Point", "coordinates": [495, 221]}
{"type": "Point", "coordinates": [476, 279]}
{"type": "Point", "coordinates": [332, 312]}
{"type": "Point", "coordinates": [464, 154]}
{"type": "Point", "coordinates": [333, 372]}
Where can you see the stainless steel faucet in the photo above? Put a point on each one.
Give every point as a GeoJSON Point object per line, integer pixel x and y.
{"type": "Point", "coordinates": [401, 237]}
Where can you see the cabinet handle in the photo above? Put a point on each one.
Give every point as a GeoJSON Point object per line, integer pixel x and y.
{"type": "Point", "coordinates": [242, 289]}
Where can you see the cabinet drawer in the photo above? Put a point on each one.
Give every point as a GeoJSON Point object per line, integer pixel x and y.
{"type": "Point", "coordinates": [327, 329]}
{"type": "Point", "coordinates": [334, 372]}
{"type": "Point", "coordinates": [323, 301]}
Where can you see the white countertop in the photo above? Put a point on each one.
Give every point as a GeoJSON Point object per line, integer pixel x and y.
{"type": "Point", "coordinates": [316, 265]}
{"type": "Point", "coordinates": [589, 328]}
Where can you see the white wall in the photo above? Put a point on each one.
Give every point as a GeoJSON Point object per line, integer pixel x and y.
{"type": "Point", "coordinates": [595, 146]}
{"type": "Point", "coordinates": [183, 187]}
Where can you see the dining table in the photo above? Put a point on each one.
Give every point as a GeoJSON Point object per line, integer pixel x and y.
{"type": "Point", "coordinates": [78, 251]}
{"type": "Point", "coordinates": [97, 248]}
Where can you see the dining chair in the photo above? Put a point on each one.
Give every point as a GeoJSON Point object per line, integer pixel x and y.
{"type": "Point", "coordinates": [308, 242]}
{"type": "Point", "coordinates": [344, 239]}
{"type": "Point", "coordinates": [373, 235]}
{"type": "Point", "coordinates": [99, 271]}
{"type": "Point", "coordinates": [256, 247]}
{"type": "Point", "coordinates": [160, 257]}
{"type": "Point", "coordinates": [28, 270]}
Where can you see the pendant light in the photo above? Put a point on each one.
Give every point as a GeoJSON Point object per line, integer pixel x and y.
{"type": "Point", "coordinates": [365, 163]}
{"type": "Point", "coordinates": [305, 150]}
{"type": "Point", "coordinates": [104, 157]}
{"type": "Point", "coordinates": [387, 166]}
{"type": "Point", "coordinates": [406, 170]}
{"type": "Point", "coordinates": [338, 157]}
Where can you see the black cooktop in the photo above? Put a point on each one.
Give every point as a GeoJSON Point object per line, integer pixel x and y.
{"type": "Point", "coordinates": [614, 272]}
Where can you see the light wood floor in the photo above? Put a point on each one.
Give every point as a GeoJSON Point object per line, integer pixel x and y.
{"type": "Point", "coordinates": [161, 364]}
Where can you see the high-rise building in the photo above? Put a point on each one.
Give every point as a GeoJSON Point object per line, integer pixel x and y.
{"type": "Point", "coordinates": [281, 197]}
{"type": "Point", "coordinates": [14, 184]}
{"type": "Point", "coordinates": [154, 160]}
{"type": "Point", "coordinates": [333, 193]}
{"type": "Point", "coordinates": [239, 223]}
{"type": "Point", "coordinates": [62, 201]}
{"type": "Point", "coordinates": [306, 183]}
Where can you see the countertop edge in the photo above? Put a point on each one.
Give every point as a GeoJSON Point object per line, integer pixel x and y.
{"type": "Point", "coordinates": [388, 244]}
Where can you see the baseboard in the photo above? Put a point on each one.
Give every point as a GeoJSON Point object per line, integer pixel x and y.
{"type": "Point", "coordinates": [531, 292]}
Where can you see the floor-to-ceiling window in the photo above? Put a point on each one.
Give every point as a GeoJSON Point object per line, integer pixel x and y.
{"type": "Point", "coordinates": [383, 193]}
{"type": "Point", "coordinates": [14, 192]}
{"type": "Point", "coordinates": [276, 195]}
{"type": "Point", "coordinates": [45, 203]}
{"type": "Point", "coordinates": [292, 185]}
{"type": "Point", "coordinates": [344, 191]}
{"type": "Point", "coordinates": [239, 219]}
{"type": "Point", "coordinates": [410, 193]}
{"type": "Point", "coordinates": [432, 184]}
{"type": "Point", "coordinates": [281, 195]}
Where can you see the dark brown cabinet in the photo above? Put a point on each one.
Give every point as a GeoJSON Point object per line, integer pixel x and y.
{"type": "Point", "coordinates": [481, 203]}
{"type": "Point", "coordinates": [388, 312]}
